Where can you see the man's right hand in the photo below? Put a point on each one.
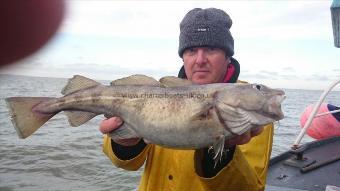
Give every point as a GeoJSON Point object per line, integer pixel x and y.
{"type": "Point", "coordinates": [108, 125]}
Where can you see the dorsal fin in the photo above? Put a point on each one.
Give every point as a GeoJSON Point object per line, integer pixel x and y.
{"type": "Point", "coordinates": [172, 81]}
{"type": "Point", "coordinates": [77, 83]}
{"type": "Point", "coordinates": [137, 79]}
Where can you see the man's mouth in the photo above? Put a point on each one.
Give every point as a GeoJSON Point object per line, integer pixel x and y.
{"type": "Point", "coordinates": [201, 71]}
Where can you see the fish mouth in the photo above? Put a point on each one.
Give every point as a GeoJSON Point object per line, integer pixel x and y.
{"type": "Point", "coordinates": [274, 109]}
{"type": "Point", "coordinates": [272, 116]}
{"type": "Point", "coordinates": [280, 98]}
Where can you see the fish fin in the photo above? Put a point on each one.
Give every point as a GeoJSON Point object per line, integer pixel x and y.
{"type": "Point", "coordinates": [137, 79]}
{"type": "Point", "coordinates": [236, 120]}
{"type": "Point", "coordinates": [218, 149]}
{"type": "Point", "coordinates": [172, 81]}
{"type": "Point", "coordinates": [24, 119]}
{"type": "Point", "coordinates": [77, 118]}
{"type": "Point", "coordinates": [238, 128]}
{"type": "Point", "coordinates": [78, 82]}
{"type": "Point", "coordinates": [125, 131]}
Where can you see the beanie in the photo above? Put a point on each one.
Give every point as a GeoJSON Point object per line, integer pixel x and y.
{"type": "Point", "coordinates": [206, 27]}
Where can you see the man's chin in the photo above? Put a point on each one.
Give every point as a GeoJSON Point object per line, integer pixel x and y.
{"type": "Point", "coordinates": [201, 80]}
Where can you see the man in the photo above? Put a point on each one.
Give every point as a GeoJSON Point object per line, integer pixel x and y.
{"type": "Point", "coordinates": [206, 46]}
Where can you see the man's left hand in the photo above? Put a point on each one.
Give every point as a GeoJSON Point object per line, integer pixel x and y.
{"type": "Point", "coordinates": [244, 138]}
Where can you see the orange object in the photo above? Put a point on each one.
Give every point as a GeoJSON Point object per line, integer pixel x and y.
{"type": "Point", "coordinates": [324, 126]}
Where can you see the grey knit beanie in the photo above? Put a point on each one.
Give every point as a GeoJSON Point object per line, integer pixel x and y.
{"type": "Point", "coordinates": [206, 27]}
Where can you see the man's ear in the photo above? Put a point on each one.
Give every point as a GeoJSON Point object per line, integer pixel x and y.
{"type": "Point", "coordinates": [228, 59]}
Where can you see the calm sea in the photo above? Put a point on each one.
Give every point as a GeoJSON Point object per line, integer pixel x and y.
{"type": "Point", "coordinates": [60, 157]}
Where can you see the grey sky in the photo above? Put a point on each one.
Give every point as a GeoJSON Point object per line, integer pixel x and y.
{"type": "Point", "coordinates": [284, 44]}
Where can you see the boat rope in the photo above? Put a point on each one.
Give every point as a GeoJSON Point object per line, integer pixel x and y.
{"type": "Point", "coordinates": [326, 113]}
{"type": "Point", "coordinates": [313, 114]}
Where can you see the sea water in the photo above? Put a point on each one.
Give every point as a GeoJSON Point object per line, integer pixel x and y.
{"type": "Point", "coordinates": [60, 157]}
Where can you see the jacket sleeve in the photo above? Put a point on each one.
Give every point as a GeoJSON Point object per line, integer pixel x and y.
{"type": "Point", "coordinates": [247, 169]}
{"type": "Point", "coordinates": [128, 164]}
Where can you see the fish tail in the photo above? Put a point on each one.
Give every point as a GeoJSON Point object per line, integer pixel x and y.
{"type": "Point", "coordinates": [25, 120]}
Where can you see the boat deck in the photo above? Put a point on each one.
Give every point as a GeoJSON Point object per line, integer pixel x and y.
{"type": "Point", "coordinates": [319, 167]}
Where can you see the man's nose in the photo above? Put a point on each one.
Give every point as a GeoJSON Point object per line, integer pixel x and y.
{"type": "Point", "coordinates": [201, 56]}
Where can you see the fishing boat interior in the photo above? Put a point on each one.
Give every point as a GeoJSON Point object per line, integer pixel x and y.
{"type": "Point", "coordinates": [314, 166]}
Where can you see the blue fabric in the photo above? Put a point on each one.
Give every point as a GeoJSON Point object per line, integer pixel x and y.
{"type": "Point", "coordinates": [332, 108]}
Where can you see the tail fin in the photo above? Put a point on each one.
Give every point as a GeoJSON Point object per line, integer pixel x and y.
{"type": "Point", "coordinates": [24, 119]}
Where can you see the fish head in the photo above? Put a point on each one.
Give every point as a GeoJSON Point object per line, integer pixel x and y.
{"type": "Point", "coordinates": [249, 105]}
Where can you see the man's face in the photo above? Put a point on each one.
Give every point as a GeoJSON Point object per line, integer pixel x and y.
{"type": "Point", "coordinates": [204, 65]}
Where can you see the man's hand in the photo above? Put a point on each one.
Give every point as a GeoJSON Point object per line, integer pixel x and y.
{"type": "Point", "coordinates": [108, 125]}
{"type": "Point", "coordinates": [244, 138]}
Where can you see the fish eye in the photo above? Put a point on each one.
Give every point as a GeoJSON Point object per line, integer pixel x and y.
{"type": "Point", "coordinates": [257, 86]}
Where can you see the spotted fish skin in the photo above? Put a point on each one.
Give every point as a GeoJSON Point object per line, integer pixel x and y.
{"type": "Point", "coordinates": [171, 112]}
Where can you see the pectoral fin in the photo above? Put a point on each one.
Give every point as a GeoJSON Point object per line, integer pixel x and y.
{"type": "Point", "coordinates": [137, 79]}
{"type": "Point", "coordinates": [235, 120]}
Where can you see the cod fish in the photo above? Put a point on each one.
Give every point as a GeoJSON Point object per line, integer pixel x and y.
{"type": "Point", "coordinates": [171, 112]}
